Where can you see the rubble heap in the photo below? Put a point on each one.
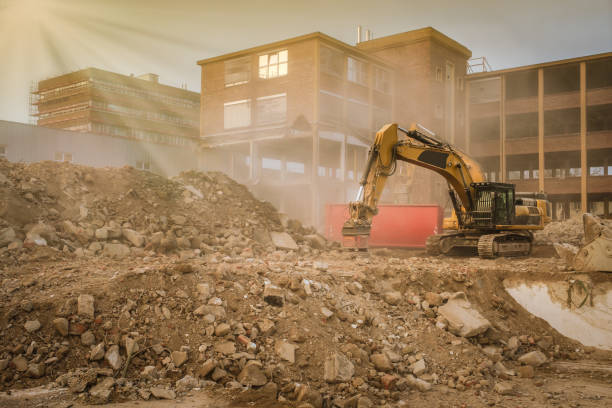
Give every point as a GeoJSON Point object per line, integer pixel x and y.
{"type": "Point", "coordinates": [126, 212]}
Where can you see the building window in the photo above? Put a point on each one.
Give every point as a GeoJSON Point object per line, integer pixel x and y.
{"type": "Point", "coordinates": [382, 80]}
{"type": "Point", "coordinates": [62, 157]}
{"type": "Point", "coordinates": [439, 74]}
{"type": "Point", "coordinates": [237, 114]}
{"type": "Point", "coordinates": [270, 164]}
{"type": "Point", "coordinates": [332, 62]}
{"type": "Point", "coordinates": [295, 167]}
{"type": "Point", "coordinates": [597, 171]}
{"type": "Point", "coordinates": [144, 164]}
{"type": "Point", "coordinates": [2, 151]}
{"type": "Point", "coordinates": [356, 71]}
{"type": "Point", "coordinates": [273, 65]}
{"type": "Point", "coordinates": [237, 71]}
{"type": "Point", "coordinates": [272, 108]}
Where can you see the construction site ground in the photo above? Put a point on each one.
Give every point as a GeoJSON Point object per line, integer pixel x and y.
{"type": "Point", "coordinates": [123, 288]}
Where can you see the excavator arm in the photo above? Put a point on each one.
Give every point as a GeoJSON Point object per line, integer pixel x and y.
{"type": "Point", "coordinates": [420, 149]}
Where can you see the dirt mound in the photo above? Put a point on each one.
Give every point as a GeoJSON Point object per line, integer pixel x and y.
{"type": "Point", "coordinates": [569, 231]}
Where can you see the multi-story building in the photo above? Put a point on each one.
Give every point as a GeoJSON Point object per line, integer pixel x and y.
{"type": "Point", "coordinates": [140, 108]}
{"type": "Point", "coordinates": [547, 127]}
{"type": "Point", "coordinates": [294, 119]}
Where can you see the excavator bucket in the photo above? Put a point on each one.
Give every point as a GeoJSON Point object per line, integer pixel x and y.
{"type": "Point", "coordinates": [596, 254]}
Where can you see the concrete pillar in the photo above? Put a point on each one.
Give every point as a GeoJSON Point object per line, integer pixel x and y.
{"type": "Point", "coordinates": [502, 130]}
{"type": "Point", "coordinates": [468, 146]}
{"type": "Point", "coordinates": [254, 161]}
{"type": "Point", "coordinates": [314, 184]}
{"type": "Point", "coordinates": [343, 159]}
{"type": "Point", "coordinates": [583, 130]}
{"type": "Point", "coordinates": [540, 129]}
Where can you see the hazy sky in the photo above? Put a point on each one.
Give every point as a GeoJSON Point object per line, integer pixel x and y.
{"type": "Point", "coordinates": [44, 38]}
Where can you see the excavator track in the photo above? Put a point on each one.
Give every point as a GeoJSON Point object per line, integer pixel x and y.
{"type": "Point", "coordinates": [432, 245]}
{"type": "Point", "coordinates": [504, 244]}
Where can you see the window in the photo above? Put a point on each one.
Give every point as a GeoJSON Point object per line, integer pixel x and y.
{"type": "Point", "coordinates": [597, 171]}
{"type": "Point", "coordinates": [295, 167]}
{"type": "Point", "coordinates": [272, 108]}
{"type": "Point", "coordinates": [514, 175]}
{"type": "Point", "coordinates": [382, 80]}
{"type": "Point", "coordinates": [2, 151]}
{"type": "Point", "coordinates": [237, 71]}
{"type": "Point", "coordinates": [439, 74]}
{"type": "Point", "coordinates": [575, 172]}
{"type": "Point", "coordinates": [526, 174]}
{"type": "Point", "coordinates": [321, 171]}
{"type": "Point", "coordinates": [332, 62]}
{"type": "Point", "coordinates": [359, 114]}
{"type": "Point", "coordinates": [356, 71]}
{"type": "Point", "coordinates": [144, 164]}
{"type": "Point", "coordinates": [330, 107]}
{"type": "Point", "coordinates": [62, 157]}
{"type": "Point", "coordinates": [237, 114]}
{"type": "Point", "coordinates": [273, 65]}
{"type": "Point", "coordinates": [271, 164]}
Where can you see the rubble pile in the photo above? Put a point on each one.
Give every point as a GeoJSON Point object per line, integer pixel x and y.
{"type": "Point", "coordinates": [120, 285]}
{"type": "Point", "coordinates": [570, 231]}
{"type": "Point", "coordinates": [124, 212]}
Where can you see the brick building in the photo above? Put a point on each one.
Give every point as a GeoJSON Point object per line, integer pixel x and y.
{"type": "Point", "coordinates": [552, 119]}
{"type": "Point", "coordinates": [294, 119]}
{"type": "Point", "coordinates": [102, 102]}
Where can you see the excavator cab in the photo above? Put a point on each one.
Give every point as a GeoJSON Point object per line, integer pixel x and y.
{"type": "Point", "coordinates": [494, 205]}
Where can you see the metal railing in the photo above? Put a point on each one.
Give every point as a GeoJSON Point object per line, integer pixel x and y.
{"type": "Point", "coordinates": [479, 64]}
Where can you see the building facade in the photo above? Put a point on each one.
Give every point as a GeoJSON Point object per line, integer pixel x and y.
{"type": "Point", "coordinates": [294, 119]}
{"type": "Point", "coordinates": [102, 102]}
{"type": "Point", "coordinates": [547, 127]}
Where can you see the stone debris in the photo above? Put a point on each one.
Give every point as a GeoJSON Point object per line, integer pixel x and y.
{"type": "Point", "coordinates": [150, 289]}
{"type": "Point", "coordinates": [462, 319]}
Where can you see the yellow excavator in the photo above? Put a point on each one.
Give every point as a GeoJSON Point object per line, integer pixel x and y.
{"type": "Point", "coordinates": [489, 217]}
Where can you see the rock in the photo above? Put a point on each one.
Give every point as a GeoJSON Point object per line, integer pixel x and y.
{"type": "Point", "coordinates": [274, 295]}
{"type": "Point", "coordinates": [85, 306]}
{"type": "Point", "coordinates": [31, 326]}
{"type": "Point", "coordinates": [97, 353]}
{"type": "Point", "coordinates": [381, 361]}
{"type": "Point", "coordinates": [326, 312]}
{"type": "Point", "coordinates": [186, 383]}
{"type": "Point", "coordinates": [222, 329]}
{"type": "Point", "coordinates": [36, 370]}
{"type": "Point", "coordinates": [462, 319]}
{"type": "Point", "coordinates": [113, 357]}
{"type": "Point", "coordinates": [88, 338]}
{"type": "Point", "coordinates": [218, 374]}
{"type": "Point", "coordinates": [162, 393]}
{"type": "Point", "coordinates": [418, 368]}
{"type": "Point", "coordinates": [206, 368]}
{"type": "Point", "coordinates": [338, 368]}
{"type": "Point", "coordinates": [61, 326]}
{"type": "Point", "coordinates": [503, 372]}
{"type": "Point", "coordinates": [266, 327]}
{"type": "Point", "coordinates": [134, 237]}
{"type": "Point", "coordinates": [433, 299]}
{"type": "Point", "coordinates": [20, 363]}
{"type": "Point", "coordinates": [504, 388]}
{"type": "Point", "coordinates": [282, 240]}
{"type": "Point", "coordinates": [315, 241]}
{"type": "Point", "coordinates": [252, 374]}
{"type": "Point", "coordinates": [494, 353]}
{"type": "Point", "coordinates": [534, 358]}
{"type": "Point", "coordinates": [101, 233]}
{"type": "Point", "coordinates": [226, 347]}
{"type": "Point", "coordinates": [388, 381]}
{"type": "Point", "coordinates": [392, 297]}
{"type": "Point", "coordinates": [78, 381]}
{"type": "Point", "coordinates": [526, 371]}
{"type": "Point", "coordinates": [131, 346]}
{"type": "Point", "coordinates": [149, 373]}
{"type": "Point", "coordinates": [7, 235]}
{"type": "Point", "coordinates": [178, 358]}
{"type": "Point", "coordinates": [286, 351]}
{"type": "Point", "coordinates": [116, 250]}
{"type": "Point", "coordinates": [418, 384]}
{"type": "Point", "coordinates": [101, 392]}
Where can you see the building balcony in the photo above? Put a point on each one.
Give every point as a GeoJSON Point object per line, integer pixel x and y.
{"type": "Point", "coordinates": [565, 186]}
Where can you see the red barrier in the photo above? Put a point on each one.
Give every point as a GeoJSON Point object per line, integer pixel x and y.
{"type": "Point", "coordinates": [400, 226]}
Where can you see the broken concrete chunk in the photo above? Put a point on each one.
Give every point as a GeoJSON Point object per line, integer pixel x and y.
{"type": "Point", "coordinates": [338, 368]}
{"type": "Point", "coordinates": [252, 374]}
{"type": "Point", "coordinates": [274, 295]}
{"type": "Point", "coordinates": [162, 393]}
{"type": "Point", "coordinates": [286, 351]}
{"type": "Point", "coordinates": [85, 306]}
{"type": "Point", "coordinates": [282, 240]}
{"type": "Point", "coordinates": [113, 357]}
{"type": "Point", "coordinates": [534, 358]}
{"type": "Point", "coordinates": [462, 319]}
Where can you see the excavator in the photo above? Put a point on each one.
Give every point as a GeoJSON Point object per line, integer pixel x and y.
{"type": "Point", "coordinates": [488, 217]}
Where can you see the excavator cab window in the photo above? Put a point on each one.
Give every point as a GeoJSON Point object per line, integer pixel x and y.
{"type": "Point", "coordinates": [504, 207]}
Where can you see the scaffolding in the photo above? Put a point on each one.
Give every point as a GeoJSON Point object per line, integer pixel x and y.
{"type": "Point", "coordinates": [478, 64]}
